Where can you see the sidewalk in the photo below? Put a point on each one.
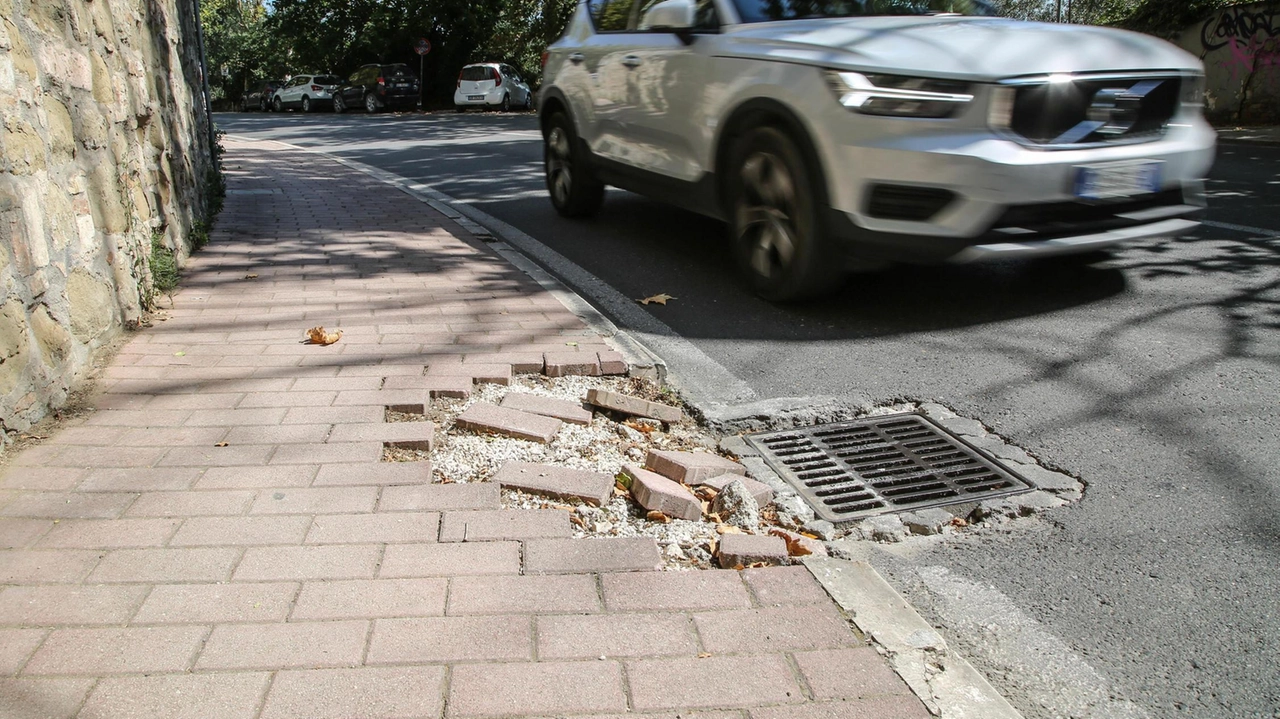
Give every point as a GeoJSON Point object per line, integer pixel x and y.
{"type": "Point", "coordinates": [221, 538]}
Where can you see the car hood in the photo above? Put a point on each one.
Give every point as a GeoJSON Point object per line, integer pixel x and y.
{"type": "Point", "coordinates": [973, 48]}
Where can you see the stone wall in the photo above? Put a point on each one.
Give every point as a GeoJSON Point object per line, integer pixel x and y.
{"type": "Point", "coordinates": [1240, 47]}
{"type": "Point", "coordinates": [104, 142]}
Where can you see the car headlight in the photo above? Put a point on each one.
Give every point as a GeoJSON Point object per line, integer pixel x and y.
{"type": "Point", "coordinates": [1193, 91]}
{"type": "Point", "coordinates": [898, 95]}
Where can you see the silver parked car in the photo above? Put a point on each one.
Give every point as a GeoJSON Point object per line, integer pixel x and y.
{"type": "Point", "coordinates": [305, 92]}
{"type": "Point", "coordinates": [492, 85]}
{"type": "Point", "coordinates": [852, 133]}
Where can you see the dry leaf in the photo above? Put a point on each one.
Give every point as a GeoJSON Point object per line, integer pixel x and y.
{"type": "Point", "coordinates": [318, 336]}
{"type": "Point", "coordinates": [221, 444]}
{"type": "Point", "coordinates": [703, 655]}
{"type": "Point", "coordinates": [251, 276]}
{"type": "Point", "coordinates": [727, 529]}
{"type": "Point", "coordinates": [577, 520]}
{"type": "Point", "coordinates": [806, 534]}
{"type": "Point", "coordinates": [571, 344]}
{"type": "Point", "coordinates": [795, 547]}
{"type": "Point", "coordinates": [619, 492]}
{"type": "Point", "coordinates": [714, 518]}
{"type": "Point", "coordinates": [755, 565]}
{"type": "Point", "coordinates": [656, 516]}
{"type": "Point", "coordinates": [959, 522]}
{"type": "Point", "coordinates": [656, 299]}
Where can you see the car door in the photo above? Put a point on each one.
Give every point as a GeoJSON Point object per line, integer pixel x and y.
{"type": "Point", "coordinates": [605, 52]}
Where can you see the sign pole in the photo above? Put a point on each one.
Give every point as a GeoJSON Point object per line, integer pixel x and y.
{"type": "Point", "coordinates": [422, 82]}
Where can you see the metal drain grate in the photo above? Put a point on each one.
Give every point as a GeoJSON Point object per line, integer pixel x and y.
{"type": "Point", "coordinates": [875, 465]}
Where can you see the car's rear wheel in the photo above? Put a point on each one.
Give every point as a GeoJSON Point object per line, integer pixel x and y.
{"type": "Point", "coordinates": [306, 104]}
{"type": "Point", "coordinates": [777, 232]}
{"type": "Point", "coordinates": [575, 192]}
{"type": "Point", "coordinates": [506, 103]}
{"type": "Point", "coordinates": [262, 104]}
{"type": "Point", "coordinates": [370, 103]}
{"type": "Point", "coordinates": [528, 101]}
{"type": "Point", "coordinates": [339, 106]}
{"type": "Point", "coordinates": [277, 105]}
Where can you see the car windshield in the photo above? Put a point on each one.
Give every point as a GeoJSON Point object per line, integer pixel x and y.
{"type": "Point", "coordinates": [397, 71]}
{"type": "Point", "coordinates": [326, 80]}
{"type": "Point", "coordinates": [477, 73]}
{"type": "Point", "coordinates": [770, 10]}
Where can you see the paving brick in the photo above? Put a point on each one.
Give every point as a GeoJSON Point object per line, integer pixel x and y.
{"type": "Point", "coordinates": [380, 474]}
{"type": "Point", "coordinates": [279, 434]}
{"type": "Point", "coordinates": [657, 493]}
{"type": "Point", "coordinates": [407, 435]}
{"type": "Point", "coordinates": [374, 528]}
{"type": "Point", "coordinates": [46, 566]}
{"type": "Point", "coordinates": [18, 533]}
{"type": "Point", "coordinates": [690, 467]}
{"type": "Point", "coordinates": [853, 673]}
{"type": "Point", "coordinates": [442, 497]}
{"type": "Point", "coordinates": [653, 591]}
{"type": "Point", "coordinates": [217, 603]}
{"type": "Point", "coordinates": [785, 586]}
{"type": "Point", "coordinates": [627, 404]}
{"type": "Point", "coordinates": [555, 481]}
{"type": "Point", "coordinates": [68, 505]}
{"type": "Point", "coordinates": [401, 400]}
{"type": "Point", "coordinates": [315, 500]}
{"type": "Point", "coordinates": [611, 362]}
{"type": "Point", "coordinates": [69, 604]}
{"type": "Point", "coordinates": [487, 525]}
{"type": "Point", "coordinates": [173, 437]}
{"type": "Point", "coordinates": [139, 480]}
{"type": "Point", "coordinates": [609, 554]}
{"type": "Point", "coordinates": [231, 417]}
{"type": "Point", "coordinates": [293, 475]}
{"type": "Point", "coordinates": [740, 681]}
{"type": "Point", "coordinates": [775, 629]}
{"type": "Point", "coordinates": [242, 455]}
{"type": "Point", "coordinates": [877, 708]}
{"type": "Point", "coordinates": [28, 698]}
{"type": "Point", "coordinates": [41, 478]}
{"type": "Point", "coordinates": [189, 696]}
{"type": "Point", "coordinates": [615, 635]}
{"type": "Point", "coordinates": [109, 533]}
{"type": "Point", "coordinates": [134, 650]}
{"type": "Point", "coordinates": [571, 412]}
{"type": "Point", "coordinates": [450, 639]}
{"type": "Point", "coordinates": [355, 561]}
{"type": "Point", "coordinates": [240, 531]}
{"type": "Point", "coordinates": [456, 386]}
{"type": "Point", "coordinates": [325, 453]}
{"type": "Point", "coordinates": [369, 598]}
{"type": "Point", "coordinates": [166, 565]}
{"type": "Point", "coordinates": [478, 373]}
{"type": "Point", "coordinates": [445, 560]}
{"type": "Point", "coordinates": [565, 364]}
{"type": "Point", "coordinates": [741, 550]}
{"type": "Point", "coordinates": [190, 504]}
{"type": "Point", "coordinates": [523, 594]}
{"type": "Point", "coordinates": [372, 412]}
{"type": "Point", "coordinates": [492, 419]}
{"type": "Point", "coordinates": [276, 646]}
{"type": "Point", "coordinates": [493, 690]}
{"type": "Point", "coordinates": [292, 398]}
{"type": "Point", "coordinates": [15, 646]}
{"type": "Point", "coordinates": [367, 692]}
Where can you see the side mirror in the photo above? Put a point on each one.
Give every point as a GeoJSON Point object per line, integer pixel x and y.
{"type": "Point", "coordinates": [670, 15]}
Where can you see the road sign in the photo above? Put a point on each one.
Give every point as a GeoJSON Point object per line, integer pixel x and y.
{"type": "Point", "coordinates": [422, 46]}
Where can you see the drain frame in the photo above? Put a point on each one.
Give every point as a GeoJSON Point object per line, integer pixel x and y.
{"type": "Point", "coordinates": [848, 471]}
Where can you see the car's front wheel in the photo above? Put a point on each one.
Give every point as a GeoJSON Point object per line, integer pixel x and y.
{"type": "Point", "coordinates": [277, 105]}
{"type": "Point", "coordinates": [575, 192]}
{"type": "Point", "coordinates": [339, 105]}
{"type": "Point", "coordinates": [370, 103]}
{"type": "Point", "coordinates": [306, 104]}
{"type": "Point", "coordinates": [506, 103]}
{"type": "Point", "coordinates": [777, 233]}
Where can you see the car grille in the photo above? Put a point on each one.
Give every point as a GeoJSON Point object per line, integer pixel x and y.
{"type": "Point", "coordinates": [1024, 223]}
{"type": "Point", "coordinates": [1091, 111]}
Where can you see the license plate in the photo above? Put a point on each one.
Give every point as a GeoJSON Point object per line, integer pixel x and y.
{"type": "Point", "coordinates": [475, 97]}
{"type": "Point", "coordinates": [1117, 179]}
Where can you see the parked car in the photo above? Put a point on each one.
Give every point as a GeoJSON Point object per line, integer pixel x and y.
{"type": "Point", "coordinates": [375, 87]}
{"type": "Point", "coordinates": [492, 85]}
{"type": "Point", "coordinates": [828, 138]}
{"type": "Point", "coordinates": [305, 92]}
{"type": "Point", "coordinates": [260, 98]}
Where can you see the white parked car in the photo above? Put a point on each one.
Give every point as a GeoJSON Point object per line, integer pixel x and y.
{"type": "Point", "coordinates": [848, 134]}
{"type": "Point", "coordinates": [305, 92]}
{"type": "Point", "coordinates": [492, 85]}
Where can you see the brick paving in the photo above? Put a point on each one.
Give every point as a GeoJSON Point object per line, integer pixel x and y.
{"type": "Point", "coordinates": [147, 571]}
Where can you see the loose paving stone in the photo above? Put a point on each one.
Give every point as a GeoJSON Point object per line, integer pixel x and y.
{"type": "Point", "coordinates": [605, 554]}
{"type": "Point", "coordinates": [494, 690]}
{"type": "Point", "coordinates": [566, 364]}
{"type": "Point", "coordinates": [488, 418]}
{"type": "Point", "coordinates": [548, 407]}
{"type": "Point", "coordinates": [741, 550]}
{"type": "Point", "coordinates": [498, 524]}
{"type": "Point", "coordinates": [181, 696]}
{"type": "Point", "coordinates": [627, 404]}
{"type": "Point", "coordinates": [373, 692]}
{"type": "Point", "coordinates": [611, 363]}
{"type": "Point", "coordinates": [691, 467]}
{"type": "Point", "coordinates": [555, 481]}
{"type": "Point", "coordinates": [478, 373]}
{"type": "Point", "coordinates": [659, 494]}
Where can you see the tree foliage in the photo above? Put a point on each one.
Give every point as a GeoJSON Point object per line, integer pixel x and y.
{"type": "Point", "coordinates": [1157, 17]}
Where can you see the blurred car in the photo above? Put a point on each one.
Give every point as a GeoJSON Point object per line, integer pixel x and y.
{"type": "Point", "coordinates": [377, 87]}
{"type": "Point", "coordinates": [847, 135]}
{"type": "Point", "coordinates": [305, 92]}
{"type": "Point", "coordinates": [492, 85]}
{"type": "Point", "coordinates": [260, 98]}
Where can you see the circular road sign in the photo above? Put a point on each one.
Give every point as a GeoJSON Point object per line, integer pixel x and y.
{"type": "Point", "coordinates": [422, 46]}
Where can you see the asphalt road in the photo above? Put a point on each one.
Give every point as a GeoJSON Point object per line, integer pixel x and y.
{"type": "Point", "coordinates": [1153, 377]}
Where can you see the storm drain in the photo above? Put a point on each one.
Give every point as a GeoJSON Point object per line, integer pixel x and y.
{"type": "Point", "coordinates": [876, 465]}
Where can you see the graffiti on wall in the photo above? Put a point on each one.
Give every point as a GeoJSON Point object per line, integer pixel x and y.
{"type": "Point", "coordinates": [1250, 35]}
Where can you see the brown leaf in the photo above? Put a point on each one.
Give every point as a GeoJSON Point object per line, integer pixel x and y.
{"type": "Point", "coordinates": [727, 529]}
{"type": "Point", "coordinates": [318, 336]}
{"type": "Point", "coordinates": [221, 444]}
{"type": "Point", "coordinates": [656, 516]}
{"type": "Point", "coordinates": [574, 518]}
{"type": "Point", "coordinates": [656, 299]}
{"type": "Point", "coordinates": [806, 534]}
{"type": "Point", "coordinates": [642, 428]}
{"type": "Point", "coordinates": [755, 565]}
{"type": "Point", "coordinates": [959, 522]}
{"type": "Point", "coordinates": [251, 276]}
{"type": "Point", "coordinates": [703, 655]}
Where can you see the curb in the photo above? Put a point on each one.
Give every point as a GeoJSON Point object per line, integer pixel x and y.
{"type": "Point", "coordinates": [642, 361]}
{"type": "Point", "coordinates": [946, 682]}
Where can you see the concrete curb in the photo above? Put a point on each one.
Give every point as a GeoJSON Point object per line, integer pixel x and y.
{"type": "Point", "coordinates": [945, 681]}
{"type": "Point", "coordinates": [642, 361]}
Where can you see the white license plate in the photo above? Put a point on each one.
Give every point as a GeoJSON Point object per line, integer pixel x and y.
{"type": "Point", "coordinates": [1117, 179]}
{"type": "Point", "coordinates": [475, 97]}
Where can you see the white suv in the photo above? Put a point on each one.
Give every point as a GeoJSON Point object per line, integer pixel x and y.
{"type": "Point", "coordinates": [831, 137]}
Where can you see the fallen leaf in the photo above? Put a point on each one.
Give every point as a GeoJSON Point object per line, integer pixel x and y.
{"type": "Point", "coordinates": [656, 516]}
{"type": "Point", "coordinates": [703, 655]}
{"type": "Point", "coordinates": [571, 344]}
{"type": "Point", "coordinates": [959, 522]}
{"type": "Point", "coordinates": [317, 336]}
{"type": "Point", "coordinates": [806, 534]}
{"type": "Point", "coordinates": [727, 529]}
{"type": "Point", "coordinates": [795, 547]}
{"type": "Point", "coordinates": [221, 444]}
{"type": "Point", "coordinates": [251, 276]}
{"type": "Point", "coordinates": [179, 354]}
{"type": "Point", "coordinates": [657, 299]}
{"type": "Point", "coordinates": [575, 519]}
{"type": "Point", "coordinates": [756, 565]}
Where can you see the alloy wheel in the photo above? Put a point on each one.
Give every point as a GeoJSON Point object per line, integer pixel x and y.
{"type": "Point", "coordinates": [766, 211]}
{"type": "Point", "coordinates": [306, 104]}
{"type": "Point", "coordinates": [559, 165]}
{"type": "Point", "coordinates": [370, 103]}
{"type": "Point", "coordinates": [338, 104]}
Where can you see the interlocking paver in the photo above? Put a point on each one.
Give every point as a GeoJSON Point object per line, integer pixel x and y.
{"type": "Point", "coordinates": [42, 566]}
{"type": "Point", "coordinates": [556, 481]}
{"type": "Point", "coordinates": [441, 497]}
{"type": "Point", "coordinates": [853, 673]}
{"type": "Point", "coordinates": [775, 629]}
{"type": "Point", "coordinates": [340, 561]}
{"type": "Point", "coordinates": [69, 604]}
{"type": "Point", "coordinates": [364, 598]}
{"type": "Point", "coordinates": [383, 527]}
{"type": "Point", "coordinates": [875, 708]}
{"type": "Point", "coordinates": [190, 504]}
{"type": "Point", "coordinates": [18, 533]}
{"type": "Point", "coordinates": [237, 531]}
{"type": "Point", "coordinates": [408, 435]}
{"type": "Point", "coordinates": [43, 698]}
{"type": "Point", "coordinates": [116, 650]}
{"type": "Point", "coordinates": [571, 412]}
{"type": "Point", "coordinates": [731, 681]}
{"type": "Point", "coordinates": [369, 692]}
{"type": "Point", "coordinates": [492, 690]}
{"type": "Point", "coordinates": [66, 505]}
{"type": "Point", "coordinates": [166, 565]}
{"type": "Point", "coordinates": [295, 644]}
{"type": "Point", "coordinates": [608, 554]}
{"type": "Point", "coordinates": [653, 591]}
{"type": "Point", "coordinates": [616, 635]}
{"type": "Point", "coordinates": [488, 525]}
{"type": "Point", "coordinates": [741, 550]}
{"type": "Point", "coordinates": [315, 500]}
{"type": "Point", "coordinates": [182, 696]}
{"type": "Point", "coordinates": [690, 467]}
{"type": "Point", "coordinates": [450, 639]}
{"type": "Point", "coordinates": [566, 594]}
{"type": "Point", "coordinates": [659, 494]}
{"type": "Point", "coordinates": [492, 419]}
{"type": "Point", "coordinates": [381, 473]}
{"type": "Point", "coordinates": [16, 645]}
{"type": "Point", "coordinates": [777, 586]}
{"type": "Point", "coordinates": [292, 475]}
{"type": "Point", "coordinates": [108, 533]}
{"type": "Point", "coordinates": [212, 603]}
{"type": "Point", "coordinates": [450, 559]}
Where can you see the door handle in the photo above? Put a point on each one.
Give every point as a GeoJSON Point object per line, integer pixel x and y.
{"type": "Point", "coordinates": [576, 57]}
{"type": "Point", "coordinates": [632, 61]}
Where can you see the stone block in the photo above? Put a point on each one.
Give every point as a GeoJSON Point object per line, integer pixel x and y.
{"type": "Point", "coordinates": [564, 364]}
{"type": "Point", "coordinates": [627, 404]}
{"type": "Point", "coordinates": [691, 467]}
{"type": "Point", "coordinates": [747, 549]}
{"type": "Point", "coordinates": [492, 419]}
{"type": "Point", "coordinates": [548, 407]}
{"type": "Point", "coordinates": [592, 487]}
{"type": "Point", "coordinates": [657, 493]}
{"type": "Point", "coordinates": [762, 492]}
{"type": "Point", "coordinates": [612, 363]}
{"type": "Point", "coordinates": [607, 554]}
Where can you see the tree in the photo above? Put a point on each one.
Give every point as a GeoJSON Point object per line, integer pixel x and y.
{"type": "Point", "coordinates": [238, 45]}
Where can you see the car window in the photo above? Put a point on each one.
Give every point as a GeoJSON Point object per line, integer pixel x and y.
{"type": "Point", "coordinates": [477, 73]}
{"type": "Point", "coordinates": [326, 79]}
{"type": "Point", "coordinates": [397, 71]}
{"type": "Point", "coordinates": [614, 15]}
{"type": "Point", "coordinates": [770, 10]}
{"type": "Point", "coordinates": [301, 79]}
